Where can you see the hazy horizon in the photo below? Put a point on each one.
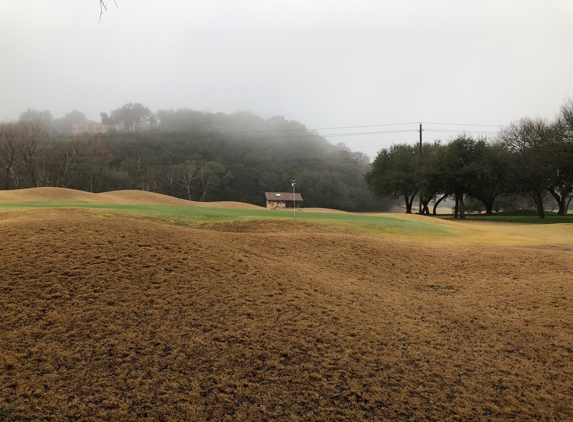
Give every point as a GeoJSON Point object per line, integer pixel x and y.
{"type": "Point", "coordinates": [335, 64]}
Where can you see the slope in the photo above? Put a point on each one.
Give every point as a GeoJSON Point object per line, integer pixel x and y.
{"type": "Point", "coordinates": [111, 316]}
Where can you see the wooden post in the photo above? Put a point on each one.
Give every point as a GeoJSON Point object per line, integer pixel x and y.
{"type": "Point", "coordinates": [419, 184]}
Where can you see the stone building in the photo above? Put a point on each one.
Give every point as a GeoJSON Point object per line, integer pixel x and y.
{"type": "Point", "coordinates": [87, 126]}
{"type": "Point", "coordinates": [283, 200]}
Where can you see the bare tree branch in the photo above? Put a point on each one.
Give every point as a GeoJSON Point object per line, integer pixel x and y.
{"type": "Point", "coordinates": [103, 6]}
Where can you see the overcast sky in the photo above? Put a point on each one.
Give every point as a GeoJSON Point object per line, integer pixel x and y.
{"type": "Point", "coordinates": [329, 63]}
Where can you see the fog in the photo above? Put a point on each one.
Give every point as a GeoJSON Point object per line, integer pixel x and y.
{"type": "Point", "coordinates": [326, 64]}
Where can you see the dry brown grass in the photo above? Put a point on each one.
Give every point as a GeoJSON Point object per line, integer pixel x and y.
{"type": "Point", "coordinates": [46, 194]}
{"type": "Point", "coordinates": [113, 317]}
{"type": "Point", "coordinates": [136, 197]}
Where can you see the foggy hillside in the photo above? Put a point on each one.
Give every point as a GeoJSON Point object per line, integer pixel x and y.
{"type": "Point", "coordinates": [184, 153]}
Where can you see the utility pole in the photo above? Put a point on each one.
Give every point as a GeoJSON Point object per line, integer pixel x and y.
{"type": "Point", "coordinates": [420, 184]}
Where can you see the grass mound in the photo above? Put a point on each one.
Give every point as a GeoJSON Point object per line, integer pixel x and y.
{"type": "Point", "coordinates": [108, 316]}
{"type": "Point", "coordinates": [46, 194]}
{"type": "Point", "coordinates": [120, 197]}
{"type": "Point", "coordinates": [138, 197]}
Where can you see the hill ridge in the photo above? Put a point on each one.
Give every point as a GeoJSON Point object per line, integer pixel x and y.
{"type": "Point", "coordinates": [130, 196]}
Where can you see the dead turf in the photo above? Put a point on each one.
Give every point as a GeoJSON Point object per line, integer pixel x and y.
{"type": "Point", "coordinates": [113, 317]}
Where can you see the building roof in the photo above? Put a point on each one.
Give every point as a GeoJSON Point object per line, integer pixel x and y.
{"type": "Point", "coordinates": [283, 196]}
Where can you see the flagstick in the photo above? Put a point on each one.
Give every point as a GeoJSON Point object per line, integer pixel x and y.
{"type": "Point", "coordinates": [293, 202]}
{"type": "Point", "coordinates": [293, 184]}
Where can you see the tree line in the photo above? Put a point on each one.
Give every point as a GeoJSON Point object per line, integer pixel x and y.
{"type": "Point", "coordinates": [187, 154]}
{"type": "Point", "coordinates": [530, 161]}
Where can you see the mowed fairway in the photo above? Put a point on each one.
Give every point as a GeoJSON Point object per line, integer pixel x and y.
{"type": "Point", "coordinates": [126, 306]}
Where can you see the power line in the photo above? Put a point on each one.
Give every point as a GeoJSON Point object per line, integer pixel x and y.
{"type": "Point", "coordinates": [342, 127]}
{"type": "Point", "coordinates": [216, 136]}
{"type": "Point", "coordinates": [309, 136]}
{"type": "Point", "coordinates": [380, 132]}
{"type": "Point", "coordinates": [366, 126]}
{"type": "Point", "coordinates": [323, 128]}
{"type": "Point", "coordinates": [411, 123]}
{"type": "Point", "coordinates": [462, 124]}
{"type": "Point", "coordinates": [266, 160]}
{"type": "Point", "coordinates": [215, 139]}
{"type": "Point", "coordinates": [459, 131]}
{"type": "Point", "coordinates": [283, 130]}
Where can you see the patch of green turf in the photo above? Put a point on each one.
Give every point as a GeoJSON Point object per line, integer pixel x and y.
{"type": "Point", "coordinates": [523, 216]}
{"type": "Point", "coordinates": [360, 222]}
{"type": "Point", "coordinates": [522, 213]}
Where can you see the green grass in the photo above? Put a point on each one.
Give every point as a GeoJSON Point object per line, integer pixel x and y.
{"type": "Point", "coordinates": [190, 214]}
{"type": "Point", "coordinates": [522, 216]}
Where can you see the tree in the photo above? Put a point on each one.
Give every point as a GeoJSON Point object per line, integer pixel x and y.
{"type": "Point", "coordinates": [64, 124]}
{"type": "Point", "coordinates": [137, 171]}
{"type": "Point", "coordinates": [560, 150]}
{"type": "Point", "coordinates": [31, 133]}
{"type": "Point", "coordinates": [324, 190]}
{"type": "Point", "coordinates": [187, 175]}
{"type": "Point", "coordinates": [37, 118]}
{"type": "Point", "coordinates": [246, 184]}
{"type": "Point", "coordinates": [97, 159]}
{"type": "Point", "coordinates": [529, 165]}
{"type": "Point", "coordinates": [65, 162]}
{"type": "Point", "coordinates": [394, 174]}
{"type": "Point", "coordinates": [492, 178]}
{"type": "Point", "coordinates": [131, 116]}
{"type": "Point", "coordinates": [9, 145]}
{"type": "Point", "coordinates": [432, 176]}
{"type": "Point", "coordinates": [462, 167]}
{"type": "Point", "coordinates": [211, 176]}
{"type": "Point", "coordinates": [168, 179]}
{"type": "Point", "coordinates": [180, 120]}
